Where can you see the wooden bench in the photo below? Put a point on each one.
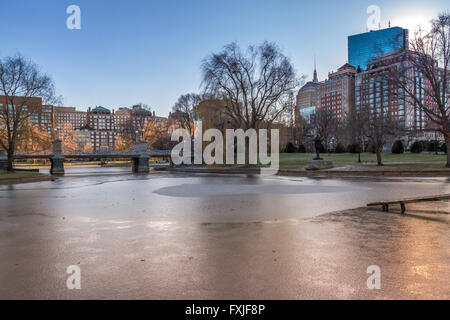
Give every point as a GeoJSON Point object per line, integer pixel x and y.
{"type": "Point", "coordinates": [385, 204]}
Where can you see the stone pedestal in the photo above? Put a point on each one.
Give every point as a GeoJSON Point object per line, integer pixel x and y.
{"type": "Point", "coordinates": [140, 164]}
{"type": "Point", "coordinates": [140, 160]}
{"type": "Point", "coordinates": [57, 147]}
{"type": "Point", "coordinates": [57, 165]}
{"type": "Point", "coordinates": [57, 160]}
{"type": "Point", "coordinates": [319, 165]}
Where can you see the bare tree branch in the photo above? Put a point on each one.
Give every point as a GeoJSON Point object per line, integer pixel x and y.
{"type": "Point", "coordinates": [255, 84]}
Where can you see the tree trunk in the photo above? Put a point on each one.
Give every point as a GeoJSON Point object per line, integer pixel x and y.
{"type": "Point", "coordinates": [10, 160]}
{"type": "Point", "coordinates": [379, 160]}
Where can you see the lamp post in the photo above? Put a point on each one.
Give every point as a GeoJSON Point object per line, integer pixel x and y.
{"type": "Point", "coordinates": [143, 135]}
{"type": "Point", "coordinates": [137, 136]}
{"type": "Point", "coordinates": [56, 133]}
{"type": "Point", "coordinates": [359, 150]}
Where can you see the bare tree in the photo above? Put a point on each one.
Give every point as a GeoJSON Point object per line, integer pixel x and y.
{"type": "Point", "coordinates": [300, 130]}
{"type": "Point", "coordinates": [155, 133]}
{"type": "Point", "coordinates": [20, 80]}
{"type": "Point", "coordinates": [376, 128]}
{"type": "Point", "coordinates": [430, 58]}
{"type": "Point", "coordinates": [256, 85]}
{"type": "Point", "coordinates": [185, 107]}
{"type": "Point", "coordinates": [355, 127]}
{"type": "Point", "coordinates": [344, 128]}
{"type": "Point", "coordinates": [211, 112]}
{"type": "Point", "coordinates": [140, 114]}
{"type": "Point", "coordinates": [157, 136]}
{"type": "Point", "coordinates": [138, 118]}
{"type": "Point", "coordinates": [34, 139]}
{"type": "Point", "coordinates": [325, 124]}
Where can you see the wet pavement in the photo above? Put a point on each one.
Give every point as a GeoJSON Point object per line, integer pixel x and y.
{"type": "Point", "coordinates": [201, 236]}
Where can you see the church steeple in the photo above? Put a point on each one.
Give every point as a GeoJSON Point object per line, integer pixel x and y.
{"type": "Point", "coordinates": [315, 71]}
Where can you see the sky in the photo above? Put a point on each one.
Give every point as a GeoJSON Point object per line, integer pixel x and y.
{"type": "Point", "coordinates": [149, 51]}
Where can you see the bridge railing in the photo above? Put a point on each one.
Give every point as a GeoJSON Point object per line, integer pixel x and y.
{"type": "Point", "coordinates": [125, 153]}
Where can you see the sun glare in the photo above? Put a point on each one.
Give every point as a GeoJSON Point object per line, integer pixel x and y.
{"type": "Point", "coordinates": [412, 22]}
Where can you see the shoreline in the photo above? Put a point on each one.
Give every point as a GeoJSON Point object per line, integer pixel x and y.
{"type": "Point", "coordinates": [256, 171]}
{"type": "Point", "coordinates": [37, 178]}
{"type": "Point", "coordinates": [318, 173]}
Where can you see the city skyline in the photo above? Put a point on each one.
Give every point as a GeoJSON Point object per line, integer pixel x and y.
{"type": "Point", "coordinates": [88, 65]}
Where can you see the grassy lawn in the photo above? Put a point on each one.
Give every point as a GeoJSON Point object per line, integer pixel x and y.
{"type": "Point", "coordinates": [392, 162]}
{"type": "Point", "coordinates": [18, 175]}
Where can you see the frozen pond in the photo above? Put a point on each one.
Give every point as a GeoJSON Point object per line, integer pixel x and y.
{"type": "Point", "coordinates": [201, 236]}
{"type": "Point", "coordinates": [101, 193]}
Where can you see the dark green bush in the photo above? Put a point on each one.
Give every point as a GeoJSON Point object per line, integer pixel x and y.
{"type": "Point", "coordinates": [354, 148]}
{"type": "Point", "coordinates": [433, 146]}
{"type": "Point", "coordinates": [444, 147]}
{"type": "Point", "coordinates": [339, 148]}
{"type": "Point", "coordinates": [398, 147]}
{"type": "Point", "coordinates": [301, 148]}
{"type": "Point", "coordinates": [290, 148]}
{"type": "Point", "coordinates": [416, 147]}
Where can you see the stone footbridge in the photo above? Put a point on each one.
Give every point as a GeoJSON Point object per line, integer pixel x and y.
{"type": "Point", "coordinates": [139, 155]}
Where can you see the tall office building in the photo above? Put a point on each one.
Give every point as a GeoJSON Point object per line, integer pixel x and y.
{"type": "Point", "coordinates": [364, 47]}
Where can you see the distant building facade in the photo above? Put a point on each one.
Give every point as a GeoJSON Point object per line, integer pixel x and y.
{"type": "Point", "coordinates": [336, 94]}
{"type": "Point", "coordinates": [39, 115]}
{"type": "Point", "coordinates": [100, 121]}
{"type": "Point", "coordinates": [307, 114]}
{"type": "Point", "coordinates": [375, 91]}
{"type": "Point", "coordinates": [364, 47]}
{"type": "Point", "coordinates": [99, 127]}
{"type": "Point", "coordinates": [68, 119]}
{"type": "Point", "coordinates": [82, 138]}
{"type": "Point", "coordinates": [307, 98]}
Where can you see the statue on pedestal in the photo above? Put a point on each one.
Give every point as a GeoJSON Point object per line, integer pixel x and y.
{"type": "Point", "coordinates": [318, 146]}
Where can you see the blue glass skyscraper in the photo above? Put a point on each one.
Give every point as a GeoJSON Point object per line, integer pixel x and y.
{"type": "Point", "coordinates": [363, 47]}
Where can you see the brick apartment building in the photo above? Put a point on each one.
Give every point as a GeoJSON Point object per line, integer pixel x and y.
{"type": "Point", "coordinates": [69, 119]}
{"type": "Point", "coordinates": [137, 117]}
{"type": "Point", "coordinates": [336, 94]}
{"type": "Point", "coordinates": [100, 122]}
{"type": "Point", "coordinates": [375, 90]}
{"type": "Point", "coordinates": [40, 115]}
{"type": "Point", "coordinates": [98, 126]}
{"type": "Point", "coordinates": [102, 125]}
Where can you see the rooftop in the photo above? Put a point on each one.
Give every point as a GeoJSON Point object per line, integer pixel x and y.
{"type": "Point", "coordinates": [100, 109]}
